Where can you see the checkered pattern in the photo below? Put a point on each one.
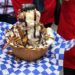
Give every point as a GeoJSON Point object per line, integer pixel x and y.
{"type": "Point", "coordinates": [50, 64]}
{"type": "Point", "coordinates": [6, 7]}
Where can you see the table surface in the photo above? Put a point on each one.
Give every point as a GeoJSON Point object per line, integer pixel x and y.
{"type": "Point", "coordinates": [50, 64]}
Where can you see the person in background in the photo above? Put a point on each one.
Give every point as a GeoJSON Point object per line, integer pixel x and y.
{"type": "Point", "coordinates": [7, 12]}
{"type": "Point", "coordinates": [46, 7]}
{"type": "Point", "coordinates": [66, 29]}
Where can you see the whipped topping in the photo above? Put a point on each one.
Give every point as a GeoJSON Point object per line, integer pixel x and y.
{"type": "Point", "coordinates": [30, 33]}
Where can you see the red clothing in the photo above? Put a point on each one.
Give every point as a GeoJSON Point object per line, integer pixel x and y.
{"type": "Point", "coordinates": [47, 16]}
{"type": "Point", "coordinates": [66, 29]}
{"type": "Point", "coordinates": [17, 4]}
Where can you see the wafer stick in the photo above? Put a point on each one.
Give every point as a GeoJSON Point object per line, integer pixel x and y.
{"type": "Point", "coordinates": [7, 44]}
{"type": "Point", "coordinates": [21, 33]}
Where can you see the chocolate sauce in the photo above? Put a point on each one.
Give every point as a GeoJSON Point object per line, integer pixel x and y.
{"type": "Point", "coordinates": [34, 24]}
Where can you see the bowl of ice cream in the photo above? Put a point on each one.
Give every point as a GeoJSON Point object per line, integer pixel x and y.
{"type": "Point", "coordinates": [29, 39]}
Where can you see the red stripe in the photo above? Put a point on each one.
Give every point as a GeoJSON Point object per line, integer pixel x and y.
{"type": "Point", "coordinates": [7, 2]}
{"type": "Point", "coordinates": [5, 8]}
